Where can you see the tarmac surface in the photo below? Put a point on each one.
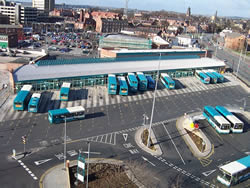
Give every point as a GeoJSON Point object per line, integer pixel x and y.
{"type": "Point", "coordinates": [106, 126]}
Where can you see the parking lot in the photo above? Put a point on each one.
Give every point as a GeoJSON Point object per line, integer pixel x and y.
{"type": "Point", "coordinates": [98, 96]}
{"type": "Point", "coordinates": [63, 45]}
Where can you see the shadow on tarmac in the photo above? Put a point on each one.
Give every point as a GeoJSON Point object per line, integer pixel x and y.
{"type": "Point", "coordinates": [78, 94]}
{"type": "Point", "coordinates": [94, 115]}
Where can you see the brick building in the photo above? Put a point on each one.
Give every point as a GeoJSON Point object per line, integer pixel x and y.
{"type": "Point", "coordinates": [235, 41]}
{"type": "Point", "coordinates": [104, 25]}
{"type": "Point", "coordinates": [9, 29]}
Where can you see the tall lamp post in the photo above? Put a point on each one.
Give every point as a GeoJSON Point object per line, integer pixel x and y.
{"type": "Point", "coordinates": [87, 184]}
{"type": "Point", "coordinates": [153, 106]}
{"type": "Point", "coordinates": [64, 142]}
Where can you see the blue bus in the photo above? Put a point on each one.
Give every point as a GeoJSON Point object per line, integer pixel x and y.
{"type": "Point", "coordinates": [151, 82]}
{"type": "Point", "coordinates": [220, 124]}
{"type": "Point", "coordinates": [143, 82]}
{"type": "Point", "coordinates": [123, 86]}
{"type": "Point", "coordinates": [235, 172]}
{"type": "Point", "coordinates": [22, 99]}
{"type": "Point", "coordinates": [132, 82]}
{"type": "Point", "coordinates": [213, 78]}
{"type": "Point", "coordinates": [64, 92]}
{"type": "Point", "coordinates": [167, 81]}
{"type": "Point", "coordinates": [34, 102]}
{"type": "Point", "coordinates": [68, 114]}
{"type": "Point", "coordinates": [112, 84]}
{"type": "Point", "coordinates": [236, 124]}
{"type": "Point", "coordinates": [202, 77]}
{"type": "Point", "coordinates": [220, 77]}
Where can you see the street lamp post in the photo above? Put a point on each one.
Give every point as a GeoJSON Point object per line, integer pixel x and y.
{"type": "Point", "coordinates": [64, 142]}
{"type": "Point", "coordinates": [87, 184]}
{"type": "Point", "coordinates": [153, 105]}
{"type": "Point", "coordinates": [239, 64]}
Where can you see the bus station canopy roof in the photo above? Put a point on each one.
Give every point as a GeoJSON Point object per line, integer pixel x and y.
{"type": "Point", "coordinates": [34, 72]}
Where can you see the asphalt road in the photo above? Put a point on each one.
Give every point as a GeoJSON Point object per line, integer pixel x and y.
{"type": "Point", "coordinates": [232, 61]}
{"type": "Point", "coordinates": [104, 127]}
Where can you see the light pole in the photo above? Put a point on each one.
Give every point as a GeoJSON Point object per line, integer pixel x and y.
{"type": "Point", "coordinates": [87, 184]}
{"type": "Point", "coordinates": [239, 64]}
{"type": "Point", "coordinates": [153, 105]}
{"type": "Point", "coordinates": [64, 142]}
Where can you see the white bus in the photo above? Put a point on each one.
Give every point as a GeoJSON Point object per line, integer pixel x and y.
{"type": "Point", "coordinates": [235, 172]}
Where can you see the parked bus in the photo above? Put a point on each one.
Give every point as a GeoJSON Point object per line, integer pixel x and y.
{"type": "Point", "coordinates": [220, 77]}
{"type": "Point", "coordinates": [236, 124]}
{"type": "Point", "coordinates": [235, 172]}
{"type": "Point", "coordinates": [220, 124]}
{"type": "Point", "coordinates": [202, 77]}
{"type": "Point", "coordinates": [68, 114]}
{"type": "Point", "coordinates": [64, 92]}
{"type": "Point", "coordinates": [112, 84]}
{"type": "Point", "coordinates": [167, 81]}
{"type": "Point", "coordinates": [132, 82]}
{"type": "Point", "coordinates": [213, 78]}
{"type": "Point", "coordinates": [151, 82]}
{"type": "Point", "coordinates": [143, 82]}
{"type": "Point", "coordinates": [22, 98]}
{"type": "Point", "coordinates": [123, 86]}
{"type": "Point", "coordinates": [34, 102]}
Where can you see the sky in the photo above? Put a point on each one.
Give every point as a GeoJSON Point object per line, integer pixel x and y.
{"type": "Point", "coordinates": [205, 7]}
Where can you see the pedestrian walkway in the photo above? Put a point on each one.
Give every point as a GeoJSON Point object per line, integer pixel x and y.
{"type": "Point", "coordinates": [98, 96]}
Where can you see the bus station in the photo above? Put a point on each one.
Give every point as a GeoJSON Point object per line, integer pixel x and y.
{"type": "Point", "coordinates": [50, 74]}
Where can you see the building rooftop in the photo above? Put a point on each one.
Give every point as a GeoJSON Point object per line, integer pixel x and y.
{"type": "Point", "coordinates": [159, 50]}
{"type": "Point", "coordinates": [9, 26]}
{"type": "Point", "coordinates": [233, 35]}
{"type": "Point", "coordinates": [124, 37]}
{"type": "Point", "coordinates": [34, 72]}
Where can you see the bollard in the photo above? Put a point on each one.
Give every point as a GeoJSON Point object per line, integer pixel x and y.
{"type": "Point", "coordinates": [67, 163]}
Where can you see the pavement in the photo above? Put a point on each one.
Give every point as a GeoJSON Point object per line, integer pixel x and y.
{"type": "Point", "coordinates": [57, 176]}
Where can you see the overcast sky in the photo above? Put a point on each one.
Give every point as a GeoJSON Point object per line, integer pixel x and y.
{"type": "Point", "coordinates": [204, 7]}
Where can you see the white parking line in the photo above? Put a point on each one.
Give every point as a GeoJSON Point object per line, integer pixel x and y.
{"type": "Point", "coordinates": [174, 144]}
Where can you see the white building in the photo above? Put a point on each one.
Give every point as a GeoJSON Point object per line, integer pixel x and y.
{"type": "Point", "coordinates": [187, 40]}
{"type": "Point", "coordinates": [17, 13]}
{"type": "Point", "coordinates": [44, 5]}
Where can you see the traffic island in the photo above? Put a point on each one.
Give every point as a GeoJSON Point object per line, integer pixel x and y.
{"type": "Point", "coordinates": [102, 173]}
{"type": "Point", "coordinates": [195, 139]}
{"type": "Point", "coordinates": [141, 138]}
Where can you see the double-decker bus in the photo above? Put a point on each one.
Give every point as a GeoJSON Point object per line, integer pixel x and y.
{"type": "Point", "coordinates": [220, 124]}
{"type": "Point", "coordinates": [68, 114]}
{"type": "Point", "coordinates": [220, 77]}
{"type": "Point", "coordinates": [167, 81]}
{"type": "Point", "coordinates": [143, 82]}
{"type": "Point", "coordinates": [151, 82]}
{"type": "Point", "coordinates": [123, 86]}
{"type": "Point", "coordinates": [132, 82]}
{"type": "Point", "coordinates": [112, 84]}
{"type": "Point", "coordinates": [34, 102]}
{"type": "Point", "coordinates": [202, 77]}
{"type": "Point", "coordinates": [234, 172]}
{"type": "Point", "coordinates": [236, 124]}
{"type": "Point", "coordinates": [64, 92]}
{"type": "Point", "coordinates": [21, 100]}
{"type": "Point", "coordinates": [213, 78]}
